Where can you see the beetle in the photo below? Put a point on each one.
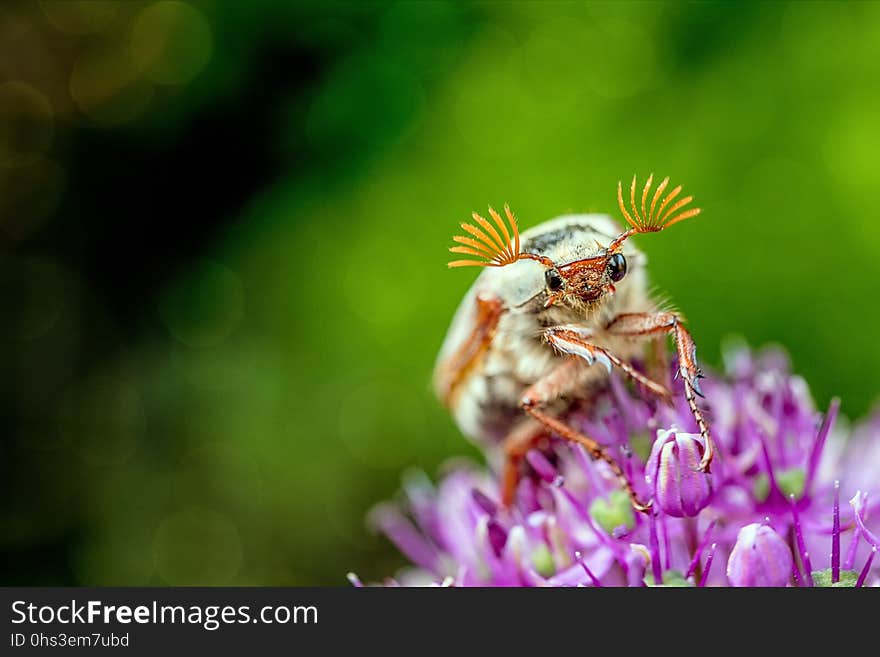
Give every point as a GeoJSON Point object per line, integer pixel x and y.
{"type": "Point", "coordinates": [550, 304]}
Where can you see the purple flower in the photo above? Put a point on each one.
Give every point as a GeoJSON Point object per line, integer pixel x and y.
{"type": "Point", "coordinates": [770, 510]}
{"type": "Point", "coordinates": [760, 557]}
{"type": "Point", "coordinates": [680, 489]}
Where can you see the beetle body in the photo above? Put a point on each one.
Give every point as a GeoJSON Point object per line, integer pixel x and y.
{"type": "Point", "coordinates": [524, 344]}
{"type": "Point", "coordinates": [485, 399]}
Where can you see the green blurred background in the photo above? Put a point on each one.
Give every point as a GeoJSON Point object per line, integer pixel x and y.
{"type": "Point", "coordinates": [223, 233]}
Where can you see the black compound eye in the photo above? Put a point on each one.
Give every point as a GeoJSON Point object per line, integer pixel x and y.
{"type": "Point", "coordinates": [616, 267]}
{"type": "Point", "coordinates": [553, 279]}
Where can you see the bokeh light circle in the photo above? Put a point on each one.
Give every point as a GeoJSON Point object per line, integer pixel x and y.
{"type": "Point", "coordinates": [80, 16]}
{"type": "Point", "coordinates": [205, 306]}
{"type": "Point", "coordinates": [171, 42]}
{"type": "Point", "coordinates": [29, 194]}
{"type": "Point", "coordinates": [26, 123]}
{"type": "Point", "coordinates": [33, 293]}
{"type": "Point", "coordinates": [107, 87]}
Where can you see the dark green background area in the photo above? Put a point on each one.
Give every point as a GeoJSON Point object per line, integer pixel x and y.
{"type": "Point", "coordinates": [221, 323]}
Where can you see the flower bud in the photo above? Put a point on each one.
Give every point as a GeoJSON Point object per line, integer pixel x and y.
{"type": "Point", "coordinates": [759, 558]}
{"type": "Point", "coordinates": [680, 489]}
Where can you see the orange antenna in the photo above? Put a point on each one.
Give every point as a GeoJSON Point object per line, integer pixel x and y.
{"type": "Point", "coordinates": [649, 221]}
{"type": "Point", "coordinates": [652, 219]}
{"type": "Point", "coordinates": [493, 248]}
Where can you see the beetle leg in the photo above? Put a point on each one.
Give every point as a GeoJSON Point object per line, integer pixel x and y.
{"type": "Point", "coordinates": [566, 377]}
{"type": "Point", "coordinates": [636, 325]}
{"type": "Point", "coordinates": [454, 370]}
{"type": "Point", "coordinates": [574, 340]}
{"type": "Point", "coordinates": [546, 390]}
{"type": "Point", "coordinates": [517, 444]}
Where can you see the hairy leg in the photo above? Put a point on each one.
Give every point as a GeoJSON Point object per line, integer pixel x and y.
{"type": "Point", "coordinates": [651, 325]}
{"type": "Point", "coordinates": [547, 390]}
{"type": "Point", "coordinates": [576, 341]}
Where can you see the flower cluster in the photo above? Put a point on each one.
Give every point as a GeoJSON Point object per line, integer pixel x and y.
{"type": "Point", "coordinates": [769, 513]}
